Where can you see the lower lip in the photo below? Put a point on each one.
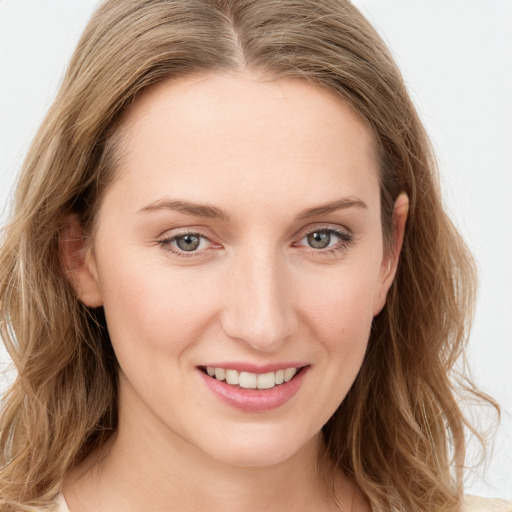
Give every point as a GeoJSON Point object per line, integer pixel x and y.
{"type": "Point", "coordinates": [255, 400]}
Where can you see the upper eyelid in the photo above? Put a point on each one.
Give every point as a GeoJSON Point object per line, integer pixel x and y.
{"type": "Point", "coordinates": [182, 231]}
{"type": "Point", "coordinates": [326, 227]}
{"type": "Point", "coordinates": [173, 238]}
{"type": "Point", "coordinates": [300, 234]}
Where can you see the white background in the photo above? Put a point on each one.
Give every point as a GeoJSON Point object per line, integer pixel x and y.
{"type": "Point", "coordinates": [456, 56]}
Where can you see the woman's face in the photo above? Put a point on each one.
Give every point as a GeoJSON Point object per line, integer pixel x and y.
{"type": "Point", "coordinates": [242, 237]}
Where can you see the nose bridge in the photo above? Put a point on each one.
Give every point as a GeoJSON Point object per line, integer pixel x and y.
{"type": "Point", "coordinates": [259, 310]}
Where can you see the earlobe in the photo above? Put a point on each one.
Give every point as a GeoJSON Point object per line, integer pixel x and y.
{"type": "Point", "coordinates": [390, 261]}
{"type": "Point", "coordinates": [78, 262]}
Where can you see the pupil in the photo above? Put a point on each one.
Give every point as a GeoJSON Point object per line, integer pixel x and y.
{"type": "Point", "coordinates": [319, 239]}
{"type": "Point", "coordinates": [188, 242]}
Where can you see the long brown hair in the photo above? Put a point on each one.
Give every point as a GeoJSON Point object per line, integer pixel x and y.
{"type": "Point", "coordinates": [399, 433]}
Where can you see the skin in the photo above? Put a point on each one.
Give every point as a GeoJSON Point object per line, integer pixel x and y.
{"type": "Point", "coordinates": [254, 291]}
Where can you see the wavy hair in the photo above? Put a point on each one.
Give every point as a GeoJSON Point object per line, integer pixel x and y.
{"type": "Point", "coordinates": [399, 433]}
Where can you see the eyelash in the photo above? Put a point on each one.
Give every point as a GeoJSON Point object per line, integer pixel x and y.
{"type": "Point", "coordinates": [345, 239]}
{"type": "Point", "coordinates": [166, 244]}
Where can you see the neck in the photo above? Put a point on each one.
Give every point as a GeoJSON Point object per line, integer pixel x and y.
{"type": "Point", "coordinates": [147, 467]}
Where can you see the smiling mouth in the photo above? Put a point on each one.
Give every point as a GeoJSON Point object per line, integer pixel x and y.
{"type": "Point", "coordinates": [248, 380]}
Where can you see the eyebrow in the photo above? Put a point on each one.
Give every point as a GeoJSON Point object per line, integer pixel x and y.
{"type": "Point", "coordinates": [195, 209]}
{"type": "Point", "coordinates": [340, 204]}
{"type": "Point", "coordinates": [212, 212]}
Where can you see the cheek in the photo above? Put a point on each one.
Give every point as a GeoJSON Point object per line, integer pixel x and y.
{"type": "Point", "coordinates": [339, 319]}
{"type": "Point", "coordinates": [150, 305]}
{"type": "Point", "coordinates": [340, 308]}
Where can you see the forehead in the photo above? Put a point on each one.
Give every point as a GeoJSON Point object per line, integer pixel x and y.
{"type": "Point", "coordinates": [217, 134]}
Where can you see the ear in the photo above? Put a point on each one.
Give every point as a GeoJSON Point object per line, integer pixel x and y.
{"type": "Point", "coordinates": [390, 261]}
{"type": "Point", "coordinates": [77, 261]}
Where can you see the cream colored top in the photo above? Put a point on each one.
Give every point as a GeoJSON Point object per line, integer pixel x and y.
{"type": "Point", "coordinates": [471, 504]}
{"type": "Point", "coordinates": [477, 504]}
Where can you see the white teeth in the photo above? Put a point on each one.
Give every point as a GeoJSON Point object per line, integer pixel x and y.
{"type": "Point", "coordinates": [266, 380]}
{"type": "Point", "coordinates": [289, 373]}
{"type": "Point", "coordinates": [279, 377]}
{"type": "Point", "coordinates": [232, 377]}
{"type": "Point", "coordinates": [250, 380]}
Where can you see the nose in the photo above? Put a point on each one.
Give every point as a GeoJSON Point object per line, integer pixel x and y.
{"type": "Point", "coordinates": [259, 303]}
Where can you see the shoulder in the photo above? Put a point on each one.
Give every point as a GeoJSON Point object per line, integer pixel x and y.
{"type": "Point", "coordinates": [478, 504]}
{"type": "Point", "coordinates": [60, 505]}
{"type": "Point", "coordinates": [471, 504]}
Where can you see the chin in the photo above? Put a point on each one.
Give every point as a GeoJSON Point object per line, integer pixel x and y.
{"type": "Point", "coordinates": [261, 449]}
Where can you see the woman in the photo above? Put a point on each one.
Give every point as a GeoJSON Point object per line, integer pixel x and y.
{"type": "Point", "coordinates": [228, 281]}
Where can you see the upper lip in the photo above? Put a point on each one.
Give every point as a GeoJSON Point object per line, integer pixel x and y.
{"type": "Point", "coordinates": [256, 368]}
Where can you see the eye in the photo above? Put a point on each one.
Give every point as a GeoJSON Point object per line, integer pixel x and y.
{"type": "Point", "coordinates": [326, 240]}
{"type": "Point", "coordinates": [186, 244]}
{"type": "Point", "coordinates": [320, 239]}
